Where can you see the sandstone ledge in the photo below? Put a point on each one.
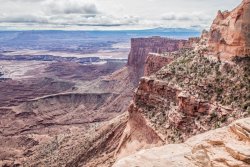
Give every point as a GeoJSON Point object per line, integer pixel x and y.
{"type": "Point", "coordinates": [224, 147]}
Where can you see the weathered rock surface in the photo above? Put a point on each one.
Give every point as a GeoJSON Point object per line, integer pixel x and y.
{"type": "Point", "coordinates": [230, 32]}
{"type": "Point", "coordinates": [224, 147]}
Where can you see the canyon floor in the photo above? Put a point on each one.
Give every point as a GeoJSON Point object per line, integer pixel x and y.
{"type": "Point", "coordinates": [53, 113]}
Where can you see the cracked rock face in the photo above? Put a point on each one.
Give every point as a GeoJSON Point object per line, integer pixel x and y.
{"type": "Point", "coordinates": [230, 32]}
{"type": "Point", "coordinates": [224, 147]}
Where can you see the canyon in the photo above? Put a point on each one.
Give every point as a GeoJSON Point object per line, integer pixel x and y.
{"type": "Point", "coordinates": [61, 114]}
{"type": "Point", "coordinates": [173, 103]}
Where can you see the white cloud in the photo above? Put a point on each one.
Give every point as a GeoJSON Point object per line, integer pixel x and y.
{"type": "Point", "coordinates": [116, 14]}
{"type": "Point", "coordinates": [193, 16]}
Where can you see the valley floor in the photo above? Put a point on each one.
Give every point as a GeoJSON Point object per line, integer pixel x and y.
{"type": "Point", "coordinates": [50, 110]}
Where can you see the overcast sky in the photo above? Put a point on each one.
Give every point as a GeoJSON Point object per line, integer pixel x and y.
{"type": "Point", "coordinates": [110, 14]}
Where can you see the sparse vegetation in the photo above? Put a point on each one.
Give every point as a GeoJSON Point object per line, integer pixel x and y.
{"type": "Point", "coordinates": [228, 84]}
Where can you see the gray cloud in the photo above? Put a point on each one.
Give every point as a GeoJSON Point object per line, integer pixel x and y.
{"type": "Point", "coordinates": [23, 19]}
{"type": "Point", "coordinates": [26, 1]}
{"type": "Point", "coordinates": [71, 20]}
{"type": "Point", "coordinates": [70, 7]}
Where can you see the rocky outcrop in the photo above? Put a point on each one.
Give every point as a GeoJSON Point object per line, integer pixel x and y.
{"type": "Point", "coordinates": [224, 147]}
{"type": "Point", "coordinates": [172, 105]}
{"type": "Point", "coordinates": [155, 62]}
{"type": "Point", "coordinates": [141, 47]}
{"type": "Point", "coordinates": [230, 32]}
{"type": "Point", "coordinates": [204, 34]}
{"type": "Point", "coordinates": [192, 94]}
{"type": "Point", "coordinates": [191, 41]}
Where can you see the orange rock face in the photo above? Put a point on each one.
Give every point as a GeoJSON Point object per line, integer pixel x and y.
{"type": "Point", "coordinates": [230, 32]}
{"type": "Point", "coordinates": [155, 62]}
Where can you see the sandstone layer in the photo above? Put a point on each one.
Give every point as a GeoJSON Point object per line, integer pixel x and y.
{"type": "Point", "coordinates": [224, 147]}
{"type": "Point", "coordinates": [229, 34]}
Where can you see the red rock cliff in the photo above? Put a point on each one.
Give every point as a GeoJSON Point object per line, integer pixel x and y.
{"type": "Point", "coordinates": [155, 62]}
{"type": "Point", "coordinates": [230, 32]}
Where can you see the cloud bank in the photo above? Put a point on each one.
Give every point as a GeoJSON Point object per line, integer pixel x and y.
{"type": "Point", "coordinates": [109, 14]}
